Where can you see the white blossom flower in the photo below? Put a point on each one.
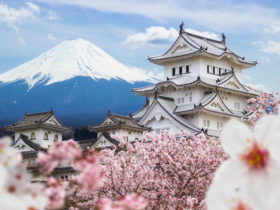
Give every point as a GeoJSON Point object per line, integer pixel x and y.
{"type": "Point", "coordinates": [9, 157]}
{"type": "Point", "coordinates": [250, 177]}
{"type": "Point", "coordinates": [15, 188]}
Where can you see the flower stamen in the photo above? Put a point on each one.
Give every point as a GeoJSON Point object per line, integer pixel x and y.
{"type": "Point", "coordinates": [241, 206]}
{"type": "Point", "coordinates": [255, 157]}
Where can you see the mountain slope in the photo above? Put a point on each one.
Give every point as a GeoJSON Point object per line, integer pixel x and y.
{"type": "Point", "coordinates": [80, 81]}
{"type": "Point", "coordinates": [70, 59]}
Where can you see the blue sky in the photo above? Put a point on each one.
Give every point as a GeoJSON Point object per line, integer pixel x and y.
{"type": "Point", "coordinates": [132, 30]}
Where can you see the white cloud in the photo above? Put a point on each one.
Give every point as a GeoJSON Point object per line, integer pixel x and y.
{"type": "Point", "coordinates": [153, 35]}
{"type": "Point", "coordinates": [271, 47]}
{"type": "Point", "coordinates": [265, 59]}
{"type": "Point", "coordinates": [259, 87]}
{"type": "Point", "coordinates": [21, 40]}
{"type": "Point", "coordinates": [158, 35]}
{"type": "Point", "coordinates": [247, 77]}
{"type": "Point", "coordinates": [51, 36]}
{"type": "Point", "coordinates": [217, 15]}
{"type": "Point", "coordinates": [52, 16]}
{"type": "Point", "coordinates": [33, 7]}
{"type": "Point", "coordinates": [272, 29]}
{"type": "Point", "coordinates": [12, 16]}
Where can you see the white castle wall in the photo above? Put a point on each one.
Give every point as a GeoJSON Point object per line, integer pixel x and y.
{"type": "Point", "coordinates": [198, 66]}
{"type": "Point", "coordinates": [162, 124]}
{"type": "Point", "coordinates": [194, 66]}
{"type": "Point", "coordinates": [39, 134]}
{"type": "Point", "coordinates": [231, 99]}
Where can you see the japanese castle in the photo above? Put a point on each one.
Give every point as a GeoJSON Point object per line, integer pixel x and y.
{"type": "Point", "coordinates": [34, 133]}
{"type": "Point", "coordinates": [202, 88]}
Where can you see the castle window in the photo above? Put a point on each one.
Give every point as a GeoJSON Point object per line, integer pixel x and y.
{"type": "Point", "coordinates": [32, 137]}
{"type": "Point", "coordinates": [206, 123]}
{"type": "Point", "coordinates": [210, 69]}
{"type": "Point", "coordinates": [187, 69]}
{"type": "Point", "coordinates": [180, 70]}
{"type": "Point", "coordinates": [179, 100]}
{"type": "Point", "coordinates": [46, 136]}
{"type": "Point", "coordinates": [215, 70]}
{"type": "Point", "coordinates": [190, 97]}
{"type": "Point", "coordinates": [183, 100]}
{"type": "Point", "coordinates": [219, 125]}
{"type": "Point", "coordinates": [237, 106]}
{"type": "Point", "coordinates": [158, 131]}
{"type": "Point", "coordinates": [173, 71]}
{"type": "Point", "coordinates": [55, 138]}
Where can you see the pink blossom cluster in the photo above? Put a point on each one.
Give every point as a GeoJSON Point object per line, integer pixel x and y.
{"type": "Point", "coordinates": [265, 103]}
{"type": "Point", "coordinates": [168, 171]}
{"type": "Point", "coordinates": [163, 171]}
{"type": "Point", "coordinates": [90, 171]}
{"type": "Point", "coordinates": [56, 191]}
{"type": "Point", "coordinates": [129, 202]}
{"type": "Point", "coordinates": [60, 152]}
{"type": "Point", "coordinates": [86, 164]}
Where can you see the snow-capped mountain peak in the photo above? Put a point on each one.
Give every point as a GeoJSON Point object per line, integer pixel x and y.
{"type": "Point", "coordinates": [70, 59]}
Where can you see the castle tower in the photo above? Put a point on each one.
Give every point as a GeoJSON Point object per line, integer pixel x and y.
{"type": "Point", "coordinates": [202, 88]}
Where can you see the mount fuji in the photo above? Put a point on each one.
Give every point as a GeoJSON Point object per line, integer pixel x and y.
{"type": "Point", "coordinates": [80, 81]}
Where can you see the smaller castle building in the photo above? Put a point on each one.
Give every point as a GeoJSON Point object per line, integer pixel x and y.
{"type": "Point", "coordinates": [35, 133]}
{"type": "Point", "coordinates": [124, 127]}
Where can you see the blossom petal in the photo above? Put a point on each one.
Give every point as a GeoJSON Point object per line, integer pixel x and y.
{"type": "Point", "coordinates": [234, 137]}
{"type": "Point", "coordinates": [267, 132]}
{"type": "Point", "coordinates": [264, 185]}
{"type": "Point", "coordinates": [222, 191]}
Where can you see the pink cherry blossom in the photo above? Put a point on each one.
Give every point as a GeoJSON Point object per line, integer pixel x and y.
{"type": "Point", "coordinates": [265, 103]}
{"type": "Point", "coordinates": [60, 152]}
{"type": "Point", "coordinates": [90, 172]}
{"type": "Point", "coordinates": [129, 202]}
{"type": "Point", "coordinates": [55, 191]}
{"type": "Point", "coordinates": [168, 171]}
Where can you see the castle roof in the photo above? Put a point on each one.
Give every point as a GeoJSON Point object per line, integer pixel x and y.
{"type": "Point", "coordinates": [107, 136]}
{"type": "Point", "coordinates": [114, 121]}
{"type": "Point", "coordinates": [168, 106]}
{"type": "Point", "coordinates": [26, 140]}
{"type": "Point", "coordinates": [37, 120]}
{"type": "Point", "coordinates": [181, 81]}
{"type": "Point", "coordinates": [211, 102]}
{"type": "Point", "coordinates": [188, 44]}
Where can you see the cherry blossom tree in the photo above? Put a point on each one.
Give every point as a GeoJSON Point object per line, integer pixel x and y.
{"type": "Point", "coordinates": [264, 103]}
{"type": "Point", "coordinates": [17, 191]}
{"type": "Point", "coordinates": [170, 172]}
{"type": "Point", "coordinates": [88, 178]}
